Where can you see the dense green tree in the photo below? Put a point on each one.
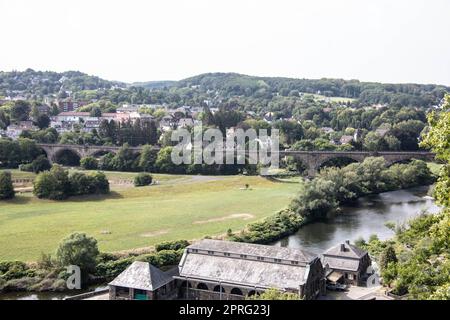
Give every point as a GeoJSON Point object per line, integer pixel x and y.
{"type": "Point", "coordinates": [438, 139]}
{"type": "Point", "coordinates": [20, 110]}
{"type": "Point", "coordinates": [42, 121]}
{"type": "Point", "coordinates": [164, 162]}
{"type": "Point", "coordinates": [6, 185]}
{"type": "Point", "coordinates": [147, 158]}
{"type": "Point", "coordinates": [40, 164]}
{"type": "Point", "coordinates": [387, 256]}
{"type": "Point", "coordinates": [78, 249]}
{"type": "Point", "coordinates": [89, 163]}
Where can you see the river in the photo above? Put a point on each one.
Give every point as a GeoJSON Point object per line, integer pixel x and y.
{"type": "Point", "coordinates": [368, 216]}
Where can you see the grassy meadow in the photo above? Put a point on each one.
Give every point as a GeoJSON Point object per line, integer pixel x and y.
{"type": "Point", "coordinates": [179, 207]}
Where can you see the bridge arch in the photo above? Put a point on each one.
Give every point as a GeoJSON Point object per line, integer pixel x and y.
{"type": "Point", "coordinates": [67, 156]}
{"type": "Point", "coordinates": [97, 153]}
{"type": "Point", "coordinates": [337, 161]}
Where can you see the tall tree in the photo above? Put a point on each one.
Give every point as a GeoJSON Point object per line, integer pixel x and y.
{"type": "Point", "coordinates": [438, 139]}
{"type": "Point", "coordinates": [20, 110]}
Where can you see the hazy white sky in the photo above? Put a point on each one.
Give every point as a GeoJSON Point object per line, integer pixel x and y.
{"type": "Point", "coordinates": [139, 40]}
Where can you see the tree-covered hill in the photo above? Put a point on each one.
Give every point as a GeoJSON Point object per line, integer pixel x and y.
{"type": "Point", "coordinates": [42, 83]}
{"type": "Point", "coordinates": [233, 84]}
{"type": "Point", "coordinates": [222, 89]}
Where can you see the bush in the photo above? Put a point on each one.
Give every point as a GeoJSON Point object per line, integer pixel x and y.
{"type": "Point", "coordinates": [81, 183]}
{"type": "Point", "coordinates": [172, 245]}
{"type": "Point", "coordinates": [27, 167]}
{"type": "Point", "coordinates": [89, 163]}
{"type": "Point", "coordinates": [272, 228]}
{"type": "Point", "coordinates": [101, 182]}
{"type": "Point", "coordinates": [45, 186]}
{"type": "Point", "coordinates": [13, 270]}
{"type": "Point", "coordinates": [6, 186]}
{"type": "Point", "coordinates": [57, 184]}
{"type": "Point", "coordinates": [40, 164]}
{"type": "Point", "coordinates": [142, 179]}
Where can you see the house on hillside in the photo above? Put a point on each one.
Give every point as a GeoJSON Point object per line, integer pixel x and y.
{"type": "Point", "coordinates": [143, 281]}
{"type": "Point", "coordinates": [13, 131]}
{"type": "Point", "coordinates": [346, 139]}
{"type": "Point", "coordinates": [346, 263]}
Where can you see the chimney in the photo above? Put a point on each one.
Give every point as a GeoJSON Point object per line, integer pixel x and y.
{"type": "Point", "coordinates": [342, 247]}
{"type": "Point", "coordinates": [347, 241]}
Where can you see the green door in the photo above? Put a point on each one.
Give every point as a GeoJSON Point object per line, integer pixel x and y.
{"type": "Point", "coordinates": [140, 295]}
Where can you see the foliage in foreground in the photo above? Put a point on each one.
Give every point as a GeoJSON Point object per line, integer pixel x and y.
{"type": "Point", "coordinates": [274, 294]}
{"type": "Point", "coordinates": [416, 261]}
{"type": "Point", "coordinates": [49, 274]}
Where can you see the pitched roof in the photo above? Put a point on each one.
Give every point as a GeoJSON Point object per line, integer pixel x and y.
{"type": "Point", "coordinates": [345, 250]}
{"type": "Point", "coordinates": [221, 261]}
{"type": "Point", "coordinates": [341, 263]}
{"type": "Point", "coordinates": [73, 113]}
{"type": "Point", "coordinates": [142, 275]}
{"type": "Point", "coordinates": [242, 272]}
{"type": "Point", "coordinates": [344, 256]}
{"type": "Point", "coordinates": [251, 249]}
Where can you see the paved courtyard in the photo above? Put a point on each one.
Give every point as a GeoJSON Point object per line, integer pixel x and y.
{"type": "Point", "coordinates": [357, 293]}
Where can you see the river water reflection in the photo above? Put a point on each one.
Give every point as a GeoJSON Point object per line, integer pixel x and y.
{"type": "Point", "coordinates": [368, 216]}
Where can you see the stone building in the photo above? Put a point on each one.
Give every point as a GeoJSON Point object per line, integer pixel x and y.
{"type": "Point", "coordinates": [225, 270]}
{"type": "Point", "coordinates": [346, 263]}
{"type": "Point", "coordinates": [143, 281]}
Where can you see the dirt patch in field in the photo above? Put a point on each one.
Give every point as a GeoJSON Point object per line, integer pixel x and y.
{"type": "Point", "coordinates": [243, 216]}
{"type": "Point", "coordinates": [154, 233]}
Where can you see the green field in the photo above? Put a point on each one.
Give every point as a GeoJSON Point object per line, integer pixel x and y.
{"type": "Point", "coordinates": [180, 207]}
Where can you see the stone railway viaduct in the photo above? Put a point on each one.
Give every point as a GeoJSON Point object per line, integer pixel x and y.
{"type": "Point", "coordinates": [313, 160]}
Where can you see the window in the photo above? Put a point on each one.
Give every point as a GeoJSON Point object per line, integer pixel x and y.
{"type": "Point", "coordinates": [277, 260]}
{"type": "Point", "coordinates": [350, 276]}
{"type": "Point", "coordinates": [210, 252]}
{"type": "Point", "coordinates": [244, 256]}
{"type": "Point", "coordinates": [260, 258]}
{"type": "Point", "coordinates": [294, 262]}
{"type": "Point", "coordinates": [226, 254]}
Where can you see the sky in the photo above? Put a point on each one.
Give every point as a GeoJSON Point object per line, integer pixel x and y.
{"type": "Point", "coordinates": [143, 40]}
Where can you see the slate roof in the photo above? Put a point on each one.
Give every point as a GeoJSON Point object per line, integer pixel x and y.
{"type": "Point", "coordinates": [350, 251]}
{"type": "Point", "coordinates": [343, 256]}
{"type": "Point", "coordinates": [251, 249]}
{"type": "Point", "coordinates": [142, 275]}
{"type": "Point", "coordinates": [248, 271]}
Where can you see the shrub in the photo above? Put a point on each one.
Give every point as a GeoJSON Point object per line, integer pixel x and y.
{"type": "Point", "coordinates": [6, 186]}
{"type": "Point", "coordinates": [89, 163]}
{"type": "Point", "coordinates": [101, 182]}
{"type": "Point", "coordinates": [172, 245]}
{"type": "Point", "coordinates": [27, 167]}
{"type": "Point", "coordinates": [40, 164]}
{"type": "Point", "coordinates": [13, 270]}
{"type": "Point", "coordinates": [57, 184]}
{"type": "Point", "coordinates": [45, 186]}
{"type": "Point", "coordinates": [142, 179]}
{"type": "Point", "coordinates": [81, 184]}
